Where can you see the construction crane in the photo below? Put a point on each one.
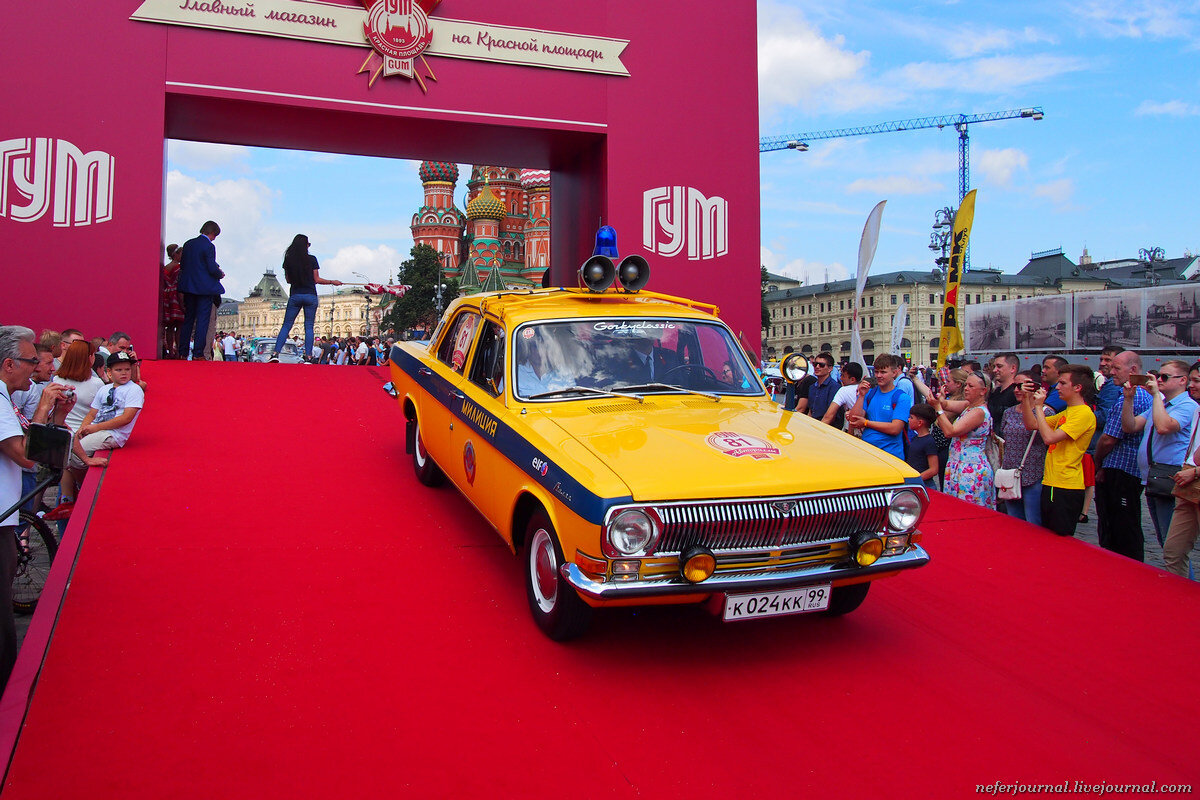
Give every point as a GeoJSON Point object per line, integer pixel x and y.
{"type": "Point", "coordinates": [960, 122]}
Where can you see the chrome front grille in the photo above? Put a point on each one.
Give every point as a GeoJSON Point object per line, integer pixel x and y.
{"type": "Point", "coordinates": [772, 522]}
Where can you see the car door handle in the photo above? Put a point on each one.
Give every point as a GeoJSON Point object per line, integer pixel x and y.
{"type": "Point", "coordinates": [457, 395]}
{"type": "Point", "coordinates": [426, 371]}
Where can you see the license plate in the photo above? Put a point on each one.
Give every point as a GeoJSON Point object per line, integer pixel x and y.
{"type": "Point", "coordinates": [775, 604]}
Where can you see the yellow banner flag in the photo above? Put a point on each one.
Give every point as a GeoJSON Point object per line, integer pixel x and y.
{"type": "Point", "coordinates": [951, 338]}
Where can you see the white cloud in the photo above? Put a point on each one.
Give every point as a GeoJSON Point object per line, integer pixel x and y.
{"type": "Point", "coordinates": [240, 206]}
{"type": "Point", "coordinates": [797, 65]}
{"type": "Point", "coordinates": [992, 74]}
{"type": "Point", "coordinates": [998, 166]}
{"type": "Point", "coordinates": [205, 155]}
{"type": "Point", "coordinates": [1172, 108]}
{"type": "Point", "coordinates": [967, 42]}
{"type": "Point", "coordinates": [377, 263]}
{"type": "Point", "coordinates": [810, 272]}
{"type": "Point", "coordinates": [1058, 192]}
{"type": "Point", "coordinates": [1156, 19]}
{"type": "Point", "coordinates": [891, 185]}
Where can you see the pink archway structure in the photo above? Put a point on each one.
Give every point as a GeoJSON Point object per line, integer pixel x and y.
{"type": "Point", "coordinates": [646, 114]}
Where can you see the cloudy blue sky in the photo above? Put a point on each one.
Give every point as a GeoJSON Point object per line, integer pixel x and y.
{"type": "Point", "coordinates": [1113, 166]}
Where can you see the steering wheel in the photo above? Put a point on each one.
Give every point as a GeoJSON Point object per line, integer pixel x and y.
{"type": "Point", "coordinates": [708, 373]}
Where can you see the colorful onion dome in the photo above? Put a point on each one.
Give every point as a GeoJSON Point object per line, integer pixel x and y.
{"type": "Point", "coordinates": [438, 171]}
{"type": "Point", "coordinates": [535, 179]}
{"type": "Point", "coordinates": [486, 206]}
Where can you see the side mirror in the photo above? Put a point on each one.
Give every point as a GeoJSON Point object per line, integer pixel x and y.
{"type": "Point", "coordinates": [795, 368]}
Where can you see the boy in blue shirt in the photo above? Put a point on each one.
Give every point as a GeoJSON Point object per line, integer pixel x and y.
{"type": "Point", "coordinates": [881, 411]}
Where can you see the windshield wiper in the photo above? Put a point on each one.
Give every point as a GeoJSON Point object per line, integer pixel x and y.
{"type": "Point", "coordinates": [643, 387]}
{"type": "Point", "coordinates": [585, 390]}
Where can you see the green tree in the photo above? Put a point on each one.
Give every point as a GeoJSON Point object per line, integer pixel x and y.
{"type": "Point", "coordinates": [766, 315]}
{"type": "Point", "coordinates": [422, 271]}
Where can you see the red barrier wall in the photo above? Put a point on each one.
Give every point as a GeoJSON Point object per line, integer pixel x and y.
{"type": "Point", "coordinates": [90, 76]}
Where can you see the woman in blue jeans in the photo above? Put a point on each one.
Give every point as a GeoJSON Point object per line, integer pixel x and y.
{"type": "Point", "coordinates": [1016, 439]}
{"type": "Point", "coordinates": [302, 273]}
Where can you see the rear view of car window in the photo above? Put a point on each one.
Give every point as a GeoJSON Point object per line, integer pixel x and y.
{"type": "Point", "coordinates": [457, 342]}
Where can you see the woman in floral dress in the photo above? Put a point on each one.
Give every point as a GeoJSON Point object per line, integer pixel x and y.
{"type": "Point", "coordinates": [969, 474]}
{"type": "Point", "coordinates": [172, 303]}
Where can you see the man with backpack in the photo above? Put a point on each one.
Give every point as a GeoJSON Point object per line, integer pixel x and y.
{"type": "Point", "coordinates": [881, 411]}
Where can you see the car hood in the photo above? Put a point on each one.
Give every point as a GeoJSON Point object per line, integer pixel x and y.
{"type": "Point", "coordinates": [673, 449]}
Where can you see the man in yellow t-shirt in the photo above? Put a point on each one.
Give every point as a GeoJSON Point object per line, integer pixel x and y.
{"type": "Point", "coordinates": [1067, 436]}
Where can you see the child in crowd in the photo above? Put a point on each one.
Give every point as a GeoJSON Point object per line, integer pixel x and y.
{"type": "Point", "coordinates": [921, 452]}
{"type": "Point", "coordinates": [107, 424]}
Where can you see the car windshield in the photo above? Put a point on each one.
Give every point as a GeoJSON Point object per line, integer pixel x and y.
{"type": "Point", "coordinates": [638, 354]}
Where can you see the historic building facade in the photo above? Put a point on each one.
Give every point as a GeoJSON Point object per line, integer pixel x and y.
{"type": "Point", "coordinates": [819, 318]}
{"type": "Point", "coordinates": [348, 311]}
{"type": "Point", "coordinates": [503, 239]}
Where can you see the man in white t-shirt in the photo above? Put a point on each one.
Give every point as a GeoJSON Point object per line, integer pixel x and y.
{"type": "Point", "coordinates": [230, 345]}
{"type": "Point", "coordinates": [360, 354]}
{"type": "Point", "coordinates": [845, 398]}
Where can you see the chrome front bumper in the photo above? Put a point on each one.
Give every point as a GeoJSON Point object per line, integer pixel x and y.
{"type": "Point", "coordinates": [767, 581]}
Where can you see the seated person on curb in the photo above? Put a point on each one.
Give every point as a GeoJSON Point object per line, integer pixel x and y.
{"type": "Point", "coordinates": [881, 411]}
{"type": "Point", "coordinates": [108, 424]}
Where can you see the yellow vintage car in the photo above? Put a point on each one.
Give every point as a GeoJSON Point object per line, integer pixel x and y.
{"type": "Point", "coordinates": [622, 443]}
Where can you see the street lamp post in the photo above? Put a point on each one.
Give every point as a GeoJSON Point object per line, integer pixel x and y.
{"type": "Point", "coordinates": [1148, 255]}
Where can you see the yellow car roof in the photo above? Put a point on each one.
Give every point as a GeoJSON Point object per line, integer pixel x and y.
{"type": "Point", "coordinates": [515, 307]}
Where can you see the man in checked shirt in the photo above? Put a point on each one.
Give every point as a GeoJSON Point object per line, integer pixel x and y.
{"type": "Point", "coordinates": [1118, 478]}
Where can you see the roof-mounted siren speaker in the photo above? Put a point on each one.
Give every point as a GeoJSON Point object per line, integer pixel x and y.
{"type": "Point", "coordinates": [597, 273]}
{"type": "Point", "coordinates": [633, 273]}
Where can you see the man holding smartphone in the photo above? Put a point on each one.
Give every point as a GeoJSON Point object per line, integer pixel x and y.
{"type": "Point", "coordinates": [1118, 478]}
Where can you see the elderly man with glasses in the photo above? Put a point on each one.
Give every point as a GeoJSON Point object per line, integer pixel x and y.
{"type": "Point", "coordinates": [1118, 478]}
{"type": "Point", "coordinates": [1166, 430]}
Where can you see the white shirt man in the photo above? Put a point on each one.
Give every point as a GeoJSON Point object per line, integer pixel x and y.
{"type": "Point", "coordinates": [361, 353]}
{"type": "Point", "coordinates": [230, 345]}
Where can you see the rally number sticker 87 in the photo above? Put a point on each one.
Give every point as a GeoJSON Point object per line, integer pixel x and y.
{"type": "Point", "coordinates": [775, 604]}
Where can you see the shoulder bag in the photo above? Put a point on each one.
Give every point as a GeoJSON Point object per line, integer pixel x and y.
{"type": "Point", "coordinates": [1189, 492]}
{"type": "Point", "coordinates": [1160, 478]}
{"type": "Point", "coordinates": [1008, 481]}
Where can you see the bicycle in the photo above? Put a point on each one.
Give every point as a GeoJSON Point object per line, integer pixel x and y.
{"type": "Point", "coordinates": [36, 548]}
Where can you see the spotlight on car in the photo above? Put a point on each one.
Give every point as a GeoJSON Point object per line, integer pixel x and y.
{"type": "Point", "coordinates": [795, 368]}
{"type": "Point", "coordinates": [597, 273]}
{"type": "Point", "coordinates": [866, 547]}
{"type": "Point", "coordinates": [697, 563]}
{"type": "Point", "coordinates": [633, 273]}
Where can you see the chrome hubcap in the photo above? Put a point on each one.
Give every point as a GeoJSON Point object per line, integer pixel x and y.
{"type": "Point", "coordinates": [543, 568]}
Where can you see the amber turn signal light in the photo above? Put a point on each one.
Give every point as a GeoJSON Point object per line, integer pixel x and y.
{"type": "Point", "coordinates": [867, 549]}
{"type": "Point", "coordinates": [697, 564]}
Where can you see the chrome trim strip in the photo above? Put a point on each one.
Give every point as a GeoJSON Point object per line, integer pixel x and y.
{"type": "Point", "coordinates": [790, 579]}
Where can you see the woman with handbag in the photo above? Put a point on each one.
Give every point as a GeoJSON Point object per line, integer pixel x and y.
{"type": "Point", "coordinates": [953, 381]}
{"type": "Point", "coordinates": [969, 474]}
{"type": "Point", "coordinates": [1024, 460]}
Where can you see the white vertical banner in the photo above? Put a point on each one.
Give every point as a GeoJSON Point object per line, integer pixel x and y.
{"type": "Point", "coordinates": [898, 328]}
{"type": "Point", "coordinates": [866, 254]}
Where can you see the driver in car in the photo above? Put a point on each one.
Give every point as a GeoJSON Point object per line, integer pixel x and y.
{"type": "Point", "coordinates": [535, 374]}
{"type": "Point", "coordinates": [649, 363]}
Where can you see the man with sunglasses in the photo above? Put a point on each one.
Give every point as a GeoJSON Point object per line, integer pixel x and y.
{"type": "Point", "coordinates": [1166, 430]}
{"type": "Point", "coordinates": [822, 389]}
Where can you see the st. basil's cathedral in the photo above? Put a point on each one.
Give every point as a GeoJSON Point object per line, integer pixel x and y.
{"type": "Point", "coordinates": [502, 241]}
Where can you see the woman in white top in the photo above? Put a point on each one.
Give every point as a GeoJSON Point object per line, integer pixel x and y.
{"type": "Point", "coordinates": [1185, 522]}
{"type": "Point", "coordinates": [76, 373]}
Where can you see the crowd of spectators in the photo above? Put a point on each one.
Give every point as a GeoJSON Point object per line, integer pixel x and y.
{"type": "Point", "coordinates": [91, 387]}
{"type": "Point", "coordinates": [354, 350]}
{"type": "Point", "coordinates": [1070, 434]}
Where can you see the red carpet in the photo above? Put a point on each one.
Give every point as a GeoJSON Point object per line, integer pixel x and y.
{"type": "Point", "coordinates": [266, 604]}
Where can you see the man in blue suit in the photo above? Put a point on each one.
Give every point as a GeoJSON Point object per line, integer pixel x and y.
{"type": "Point", "coordinates": [200, 285]}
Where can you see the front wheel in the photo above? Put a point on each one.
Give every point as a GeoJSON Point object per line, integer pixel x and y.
{"type": "Point", "coordinates": [427, 471]}
{"type": "Point", "coordinates": [556, 607]}
{"type": "Point", "coordinates": [36, 547]}
{"type": "Point", "coordinates": [847, 598]}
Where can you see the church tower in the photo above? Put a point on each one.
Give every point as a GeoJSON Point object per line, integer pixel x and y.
{"type": "Point", "coordinates": [536, 183]}
{"type": "Point", "coordinates": [485, 212]}
{"type": "Point", "coordinates": [438, 223]}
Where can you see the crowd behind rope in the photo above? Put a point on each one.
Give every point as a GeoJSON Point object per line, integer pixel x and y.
{"type": "Point", "coordinates": [1041, 444]}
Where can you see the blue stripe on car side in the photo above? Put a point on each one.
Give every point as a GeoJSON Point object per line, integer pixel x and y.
{"type": "Point", "coordinates": [587, 504]}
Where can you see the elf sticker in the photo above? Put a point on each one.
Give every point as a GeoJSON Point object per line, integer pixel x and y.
{"type": "Point", "coordinates": [740, 444]}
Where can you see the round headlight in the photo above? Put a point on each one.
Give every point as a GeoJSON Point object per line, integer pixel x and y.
{"type": "Point", "coordinates": [903, 511]}
{"type": "Point", "coordinates": [631, 531]}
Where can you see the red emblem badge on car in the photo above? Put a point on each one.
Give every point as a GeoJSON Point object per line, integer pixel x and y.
{"type": "Point", "coordinates": [740, 444]}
